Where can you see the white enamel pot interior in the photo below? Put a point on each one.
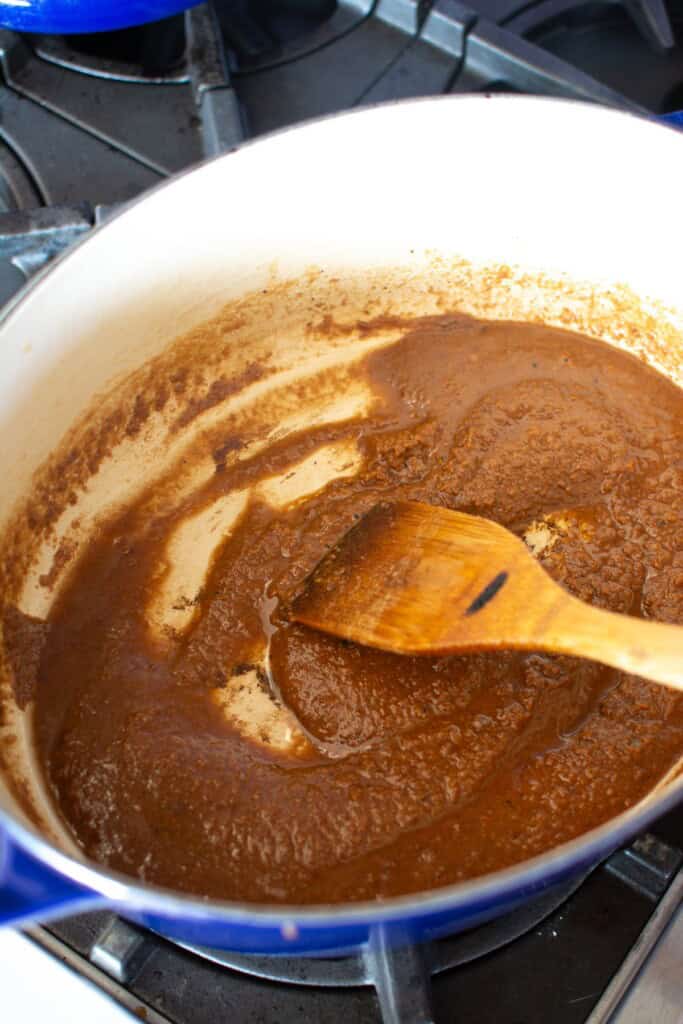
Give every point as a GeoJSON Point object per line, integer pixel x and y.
{"type": "Point", "coordinates": [505, 207]}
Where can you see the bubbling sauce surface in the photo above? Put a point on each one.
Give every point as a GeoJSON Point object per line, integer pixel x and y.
{"type": "Point", "coordinates": [251, 759]}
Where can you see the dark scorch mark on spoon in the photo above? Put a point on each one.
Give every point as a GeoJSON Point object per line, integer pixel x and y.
{"type": "Point", "coordinates": [487, 594]}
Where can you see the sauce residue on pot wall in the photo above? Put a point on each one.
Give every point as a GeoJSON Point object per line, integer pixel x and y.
{"type": "Point", "coordinates": [192, 736]}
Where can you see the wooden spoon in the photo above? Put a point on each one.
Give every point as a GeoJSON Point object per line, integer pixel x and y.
{"type": "Point", "coordinates": [417, 579]}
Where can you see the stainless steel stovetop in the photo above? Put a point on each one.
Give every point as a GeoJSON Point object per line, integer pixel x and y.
{"type": "Point", "coordinates": [87, 123]}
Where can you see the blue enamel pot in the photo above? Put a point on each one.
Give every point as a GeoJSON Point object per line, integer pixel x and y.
{"type": "Point", "coordinates": [486, 202]}
{"type": "Point", "coordinates": [64, 16]}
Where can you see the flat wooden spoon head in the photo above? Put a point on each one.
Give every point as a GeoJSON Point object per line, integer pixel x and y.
{"type": "Point", "coordinates": [419, 579]}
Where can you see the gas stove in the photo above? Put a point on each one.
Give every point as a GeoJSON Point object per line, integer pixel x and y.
{"type": "Point", "coordinates": [90, 122]}
{"type": "Point", "coordinates": [603, 949]}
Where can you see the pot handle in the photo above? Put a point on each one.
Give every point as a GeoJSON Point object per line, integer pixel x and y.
{"type": "Point", "coordinates": [31, 891]}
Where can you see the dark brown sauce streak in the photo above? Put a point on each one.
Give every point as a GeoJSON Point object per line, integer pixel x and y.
{"type": "Point", "coordinates": [452, 766]}
{"type": "Point", "coordinates": [23, 639]}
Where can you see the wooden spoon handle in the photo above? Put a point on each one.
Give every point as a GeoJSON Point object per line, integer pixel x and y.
{"type": "Point", "coordinates": [653, 650]}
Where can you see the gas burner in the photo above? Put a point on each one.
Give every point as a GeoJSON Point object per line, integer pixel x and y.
{"type": "Point", "coordinates": [650, 17]}
{"type": "Point", "coordinates": [400, 974]}
{"type": "Point", "coordinates": [102, 120]}
{"type": "Point", "coordinates": [606, 43]}
{"type": "Point", "coordinates": [393, 968]}
{"type": "Point", "coordinates": [152, 53]}
{"type": "Point", "coordinates": [18, 188]}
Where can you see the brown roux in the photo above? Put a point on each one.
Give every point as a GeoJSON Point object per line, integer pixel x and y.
{"type": "Point", "coordinates": [413, 773]}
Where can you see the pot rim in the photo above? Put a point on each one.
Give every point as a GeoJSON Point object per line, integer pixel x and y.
{"type": "Point", "coordinates": [535, 872]}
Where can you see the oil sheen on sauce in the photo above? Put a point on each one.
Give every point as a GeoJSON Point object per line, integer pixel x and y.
{"type": "Point", "coordinates": [248, 758]}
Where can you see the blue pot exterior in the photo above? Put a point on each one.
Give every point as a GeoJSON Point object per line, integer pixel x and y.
{"type": "Point", "coordinates": [338, 936]}
{"type": "Point", "coordinates": [62, 17]}
{"type": "Point", "coordinates": [31, 890]}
